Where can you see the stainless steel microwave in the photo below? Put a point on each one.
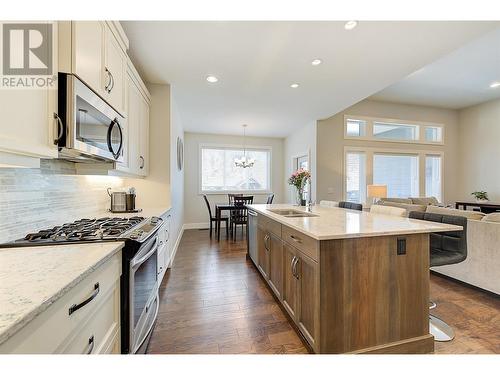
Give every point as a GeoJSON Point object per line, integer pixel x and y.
{"type": "Point", "coordinates": [89, 128]}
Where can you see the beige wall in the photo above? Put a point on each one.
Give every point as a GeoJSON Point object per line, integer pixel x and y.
{"type": "Point", "coordinates": [480, 150]}
{"type": "Point", "coordinates": [195, 210]}
{"type": "Point", "coordinates": [299, 143]}
{"type": "Point", "coordinates": [331, 143]}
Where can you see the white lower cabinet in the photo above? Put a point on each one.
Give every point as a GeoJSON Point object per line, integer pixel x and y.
{"type": "Point", "coordinates": [165, 248]}
{"type": "Point", "coordinates": [93, 328]}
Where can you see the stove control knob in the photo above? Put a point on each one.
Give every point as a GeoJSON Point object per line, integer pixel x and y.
{"type": "Point", "coordinates": [155, 220]}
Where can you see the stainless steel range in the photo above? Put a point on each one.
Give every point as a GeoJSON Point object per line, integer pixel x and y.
{"type": "Point", "coordinates": [139, 280]}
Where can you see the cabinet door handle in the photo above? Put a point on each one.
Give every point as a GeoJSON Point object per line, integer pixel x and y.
{"type": "Point", "coordinates": [142, 162]}
{"type": "Point", "coordinates": [266, 239]}
{"type": "Point", "coordinates": [106, 88]}
{"type": "Point", "coordinates": [294, 268]}
{"type": "Point", "coordinates": [78, 306]}
{"type": "Point", "coordinates": [60, 129]}
{"type": "Point", "coordinates": [91, 345]}
{"type": "Point", "coordinates": [293, 265]}
{"type": "Point", "coordinates": [112, 82]}
{"type": "Point", "coordinates": [296, 239]}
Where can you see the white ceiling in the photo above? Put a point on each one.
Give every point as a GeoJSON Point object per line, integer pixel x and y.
{"type": "Point", "coordinates": [460, 79]}
{"type": "Point", "coordinates": [257, 61]}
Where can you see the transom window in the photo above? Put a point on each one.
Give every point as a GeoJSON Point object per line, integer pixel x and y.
{"type": "Point", "coordinates": [218, 173]}
{"type": "Point", "coordinates": [386, 130]}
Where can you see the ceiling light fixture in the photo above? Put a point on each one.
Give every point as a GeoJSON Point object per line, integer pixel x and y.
{"type": "Point", "coordinates": [494, 85]}
{"type": "Point", "coordinates": [212, 79]}
{"type": "Point", "coordinates": [244, 162]}
{"type": "Point", "coordinates": [316, 62]}
{"type": "Point", "coordinates": [349, 25]}
{"type": "Point", "coordinates": [294, 85]}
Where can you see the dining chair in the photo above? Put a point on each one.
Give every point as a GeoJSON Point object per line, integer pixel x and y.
{"type": "Point", "coordinates": [270, 198]}
{"type": "Point", "coordinates": [213, 219]}
{"type": "Point", "coordinates": [240, 217]}
{"type": "Point", "coordinates": [230, 197]}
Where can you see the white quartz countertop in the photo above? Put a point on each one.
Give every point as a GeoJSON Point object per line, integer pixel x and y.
{"type": "Point", "coordinates": [146, 212]}
{"type": "Point", "coordinates": [338, 223]}
{"type": "Point", "coordinates": [33, 278]}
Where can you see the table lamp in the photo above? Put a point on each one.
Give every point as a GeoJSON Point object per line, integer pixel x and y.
{"type": "Point", "coordinates": [376, 192]}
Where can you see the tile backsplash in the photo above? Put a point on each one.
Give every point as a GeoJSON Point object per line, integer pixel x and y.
{"type": "Point", "coordinates": [34, 199]}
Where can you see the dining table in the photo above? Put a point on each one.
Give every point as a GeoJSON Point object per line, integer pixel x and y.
{"type": "Point", "coordinates": [219, 208]}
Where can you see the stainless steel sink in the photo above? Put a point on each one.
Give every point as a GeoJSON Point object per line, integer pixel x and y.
{"type": "Point", "coordinates": [291, 213]}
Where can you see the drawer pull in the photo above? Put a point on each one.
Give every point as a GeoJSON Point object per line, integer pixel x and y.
{"type": "Point", "coordinates": [296, 239]}
{"type": "Point", "coordinates": [91, 345]}
{"type": "Point", "coordinates": [94, 294]}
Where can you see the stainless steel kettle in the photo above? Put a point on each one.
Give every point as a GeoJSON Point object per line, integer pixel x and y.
{"type": "Point", "coordinates": [118, 200]}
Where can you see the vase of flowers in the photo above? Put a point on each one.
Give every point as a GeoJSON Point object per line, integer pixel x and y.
{"type": "Point", "coordinates": [298, 179]}
{"type": "Point", "coordinates": [481, 196]}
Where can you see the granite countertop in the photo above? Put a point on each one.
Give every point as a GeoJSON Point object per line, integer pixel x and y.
{"type": "Point", "coordinates": [33, 278]}
{"type": "Point", "coordinates": [338, 223]}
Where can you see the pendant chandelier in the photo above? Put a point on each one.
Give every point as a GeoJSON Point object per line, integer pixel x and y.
{"type": "Point", "coordinates": [244, 161]}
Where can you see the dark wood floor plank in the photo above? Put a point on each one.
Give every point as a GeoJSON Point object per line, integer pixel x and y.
{"type": "Point", "coordinates": [214, 301]}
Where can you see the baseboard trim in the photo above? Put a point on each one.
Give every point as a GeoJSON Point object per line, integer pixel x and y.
{"type": "Point", "coordinates": [201, 225]}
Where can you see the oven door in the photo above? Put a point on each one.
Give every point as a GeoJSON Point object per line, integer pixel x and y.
{"type": "Point", "coordinates": [94, 128]}
{"type": "Point", "coordinates": [143, 293]}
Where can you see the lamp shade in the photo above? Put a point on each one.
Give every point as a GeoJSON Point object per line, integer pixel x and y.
{"type": "Point", "coordinates": [376, 191]}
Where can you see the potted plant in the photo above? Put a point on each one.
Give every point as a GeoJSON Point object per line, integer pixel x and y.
{"type": "Point", "coordinates": [481, 196]}
{"type": "Point", "coordinates": [299, 179]}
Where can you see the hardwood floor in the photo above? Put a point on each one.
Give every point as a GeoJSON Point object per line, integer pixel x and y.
{"type": "Point", "coordinates": [214, 301]}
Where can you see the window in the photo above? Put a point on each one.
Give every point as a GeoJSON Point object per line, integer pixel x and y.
{"type": "Point", "coordinates": [433, 176]}
{"type": "Point", "coordinates": [355, 128]}
{"type": "Point", "coordinates": [398, 172]}
{"type": "Point", "coordinates": [434, 134]}
{"type": "Point", "coordinates": [219, 174]}
{"type": "Point", "coordinates": [302, 162]}
{"type": "Point", "coordinates": [355, 171]}
{"type": "Point", "coordinates": [386, 130]}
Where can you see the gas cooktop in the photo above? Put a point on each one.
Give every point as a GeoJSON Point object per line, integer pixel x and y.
{"type": "Point", "coordinates": [102, 229]}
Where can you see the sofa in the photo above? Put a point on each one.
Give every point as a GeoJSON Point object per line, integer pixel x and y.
{"type": "Point", "coordinates": [482, 266]}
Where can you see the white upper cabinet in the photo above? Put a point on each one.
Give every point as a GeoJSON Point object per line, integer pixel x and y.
{"type": "Point", "coordinates": [95, 52]}
{"type": "Point", "coordinates": [28, 127]}
{"type": "Point", "coordinates": [144, 138]}
{"type": "Point", "coordinates": [114, 72]}
{"type": "Point", "coordinates": [136, 131]}
{"type": "Point", "coordinates": [88, 52]}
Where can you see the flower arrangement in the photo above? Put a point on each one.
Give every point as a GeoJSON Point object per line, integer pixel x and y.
{"type": "Point", "coordinates": [480, 195]}
{"type": "Point", "coordinates": [299, 179]}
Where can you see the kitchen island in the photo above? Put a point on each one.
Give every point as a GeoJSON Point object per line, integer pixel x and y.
{"type": "Point", "coordinates": [350, 281]}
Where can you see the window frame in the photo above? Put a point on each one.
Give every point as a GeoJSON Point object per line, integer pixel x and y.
{"type": "Point", "coordinates": [219, 146]}
{"type": "Point", "coordinates": [369, 155]}
{"type": "Point", "coordinates": [421, 126]}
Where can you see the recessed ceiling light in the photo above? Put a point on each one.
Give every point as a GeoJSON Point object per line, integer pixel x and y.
{"type": "Point", "coordinates": [294, 85]}
{"type": "Point", "coordinates": [212, 79]}
{"type": "Point", "coordinates": [495, 85]}
{"type": "Point", "coordinates": [349, 25]}
{"type": "Point", "coordinates": [316, 62]}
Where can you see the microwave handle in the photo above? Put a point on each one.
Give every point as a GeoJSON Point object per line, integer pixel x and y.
{"type": "Point", "coordinates": [110, 146]}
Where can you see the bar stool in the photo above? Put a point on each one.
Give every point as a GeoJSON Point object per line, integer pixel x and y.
{"type": "Point", "coordinates": [445, 248]}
